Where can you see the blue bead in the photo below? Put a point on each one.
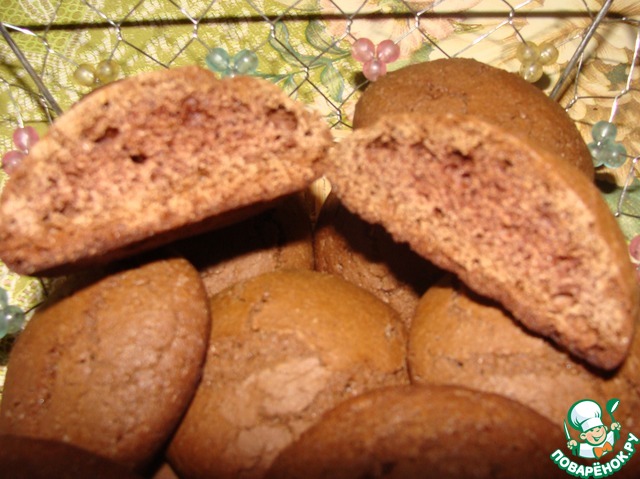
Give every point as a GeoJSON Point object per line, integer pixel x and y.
{"type": "Point", "coordinates": [616, 156]}
{"type": "Point", "coordinates": [604, 130]}
{"type": "Point", "coordinates": [596, 149]}
{"type": "Point", "coordinates": [13, 319]}
{"type": "Point", "coordinates": [218, 60]}
{"type": "Point", "coordinates": [245, 62]}
{"type": "Point", "coordinates": [607, 153]}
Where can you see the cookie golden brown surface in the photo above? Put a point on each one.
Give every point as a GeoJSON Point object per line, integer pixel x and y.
{"type": "Point", "coordinates": [458, 338]}
{"type": "Point", "coordinates": [514, 223]}
{"type": "Point", "coordinates": [111, 368]}
{"type": "Point", "coordinates": [462, 339]}
{"type": "Point", "coordinates": [469, 87]}
{"type": "Point", "coordinates": [151, 158]}
{"type": "Point", "coordinates": [423, 432]}
{"type": "Point", "coordinates": [28, 458]}
{"type": "Point", "coordinates": [285, 347]}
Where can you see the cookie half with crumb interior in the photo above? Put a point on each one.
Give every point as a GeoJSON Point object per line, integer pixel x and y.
{"type": "Point", "coordinates": [152, 158]}
{"type": "Point", "coordinates": [514, 222]}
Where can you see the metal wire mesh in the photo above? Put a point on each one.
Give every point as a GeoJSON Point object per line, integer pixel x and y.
{"type": "Point", "coordinates": [304, 46]}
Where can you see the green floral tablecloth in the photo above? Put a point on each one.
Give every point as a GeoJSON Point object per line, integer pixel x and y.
{"type": "Point", "coordinates": [304, 46]}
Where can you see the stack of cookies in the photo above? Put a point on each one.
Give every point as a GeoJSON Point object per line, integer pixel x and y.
{"type": "Point", "coordinates": [463, 285]}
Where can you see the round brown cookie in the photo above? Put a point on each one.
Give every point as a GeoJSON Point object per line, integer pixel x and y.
{"type": "Point", "coordinates": [367, 255]}
{"type": "Point", "coordinates": [279, 238]}
{"type": "Point", "coordinates": [458, 338]}
{"type": "Point", "coordinates": [416, 432]}
{"type": "Point", "coordinates": [515, 223]}
{"type": "Point", "coordinates": [111, 368]}
{"type": "Point", "coordinates": [29, 458]}
{"type": "Point", "coordinates": [285, 347]}
{"type": "Point", "coordinates": [469, 87]}
{"type": "Point", "coordinates": [152, 158]}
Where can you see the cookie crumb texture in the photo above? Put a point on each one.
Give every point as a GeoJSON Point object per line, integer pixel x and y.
{"type": "Point", "coordinates": [514, 223]}
{"type": "Point", "coordinates": [153, 157]}
{"type": "Point", "coordinates": [285, 347]}
{"type": "Point", "coordinates": [112, 368]}
{"type": "Point", "coordinates": [469, 87]}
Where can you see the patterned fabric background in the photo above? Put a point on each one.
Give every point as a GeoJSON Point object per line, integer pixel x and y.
{"type": "Point", "coordinates": [304, 46]}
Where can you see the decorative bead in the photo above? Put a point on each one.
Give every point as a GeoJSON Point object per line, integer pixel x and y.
{"type": "Point", "coordinates": [12, 318]}
{"type": "Point", "coordinates": [244, 63]}
{"type": "Point", "coordinates": [634, 249]}
{"type": "Point", "coordinates": [531, 72]}
{"type": "Point", "coordinates": [217, 60]}
{"type": "Point", "coordinates": [528, 52]}
{"type": "Point", "coordinates": [616, 156]}
{"type": "Point", "coordinates": [374, 59]}
{"type": "Point", "coordinates": [388, 51]}
{"type": "Point", "coordinates": [85, 75]}
{"type": "Point", "coordinates": [107, 70]}
{"type": "Point", "coordinates": [374, 69]}
{"type": "Point", "coordinates": [24, 138]}
{"type": "Point", "coordinates": [604, 130]}
{"type": "Point", "coordinates": [11, 160]}
{"type": "Point", "coordinates": [363, 50]}
{"type": "Point", "coordinates": [604, 150]}
{"type": "Point", "coordinates": [533, 57]}
{"type": "Point", "coordinates": [548, 54]}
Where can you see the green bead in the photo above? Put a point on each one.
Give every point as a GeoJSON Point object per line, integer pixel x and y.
{"type": "Point", "coordinates": [528, 52]}
{"type": "Point", "coordinates": [13, 319]}
{"type": "Point", "coordinates": [245, 62]}
{"type": "Point", "coordinates": [4, 298]}
{"type": "Point", "coordinates": [616, 156]}
{"type": "Point", "coordinates": [217, 60]}
{"type": "Point", "coordinates": [85, 75]}
{"type": "Point", "coordinates": [597, 152]}
{"type": "Point", "coordinates": [604, 130]}
{"type": "Point", "coordinates": [107, 71]}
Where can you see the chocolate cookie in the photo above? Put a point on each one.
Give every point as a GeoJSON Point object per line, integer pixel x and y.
{"type": "Point", "coordinates": [111, 368]}
{"type": "Point", "coordinates": [458, 338]}
{"type": "Point", "coordinates": [469, 87]}
{"type": "Point", "coordinates": [424, 432]}
{"type": "Point", "coordinates": [285, 347]}
{"type": "Point", "coordinates": [152, 158]}
{"type": "Point", "coordinates": [515, 223]}
{"type": "Point", "coordinates": [28, 458]}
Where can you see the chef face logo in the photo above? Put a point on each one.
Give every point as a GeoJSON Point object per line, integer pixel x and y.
{"type": "Point", "coordinates": [592, 439]}
{"type": "Point", "coordinates": [596, 439]}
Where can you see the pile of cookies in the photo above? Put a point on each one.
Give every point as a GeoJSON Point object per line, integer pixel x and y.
{"type": "Point", "coordinates": [463, 285]}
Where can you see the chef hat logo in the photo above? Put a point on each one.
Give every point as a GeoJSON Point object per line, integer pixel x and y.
{"type": "Point", "coordinates": [585, 415]}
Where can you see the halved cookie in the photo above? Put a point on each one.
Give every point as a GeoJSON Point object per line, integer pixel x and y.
{"type": "Point", "coordinates": [152, 158]}
{"type": "Point", "coordinates": [514, 222]}
{"type": "Point", "coordinates": [469, 87]}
